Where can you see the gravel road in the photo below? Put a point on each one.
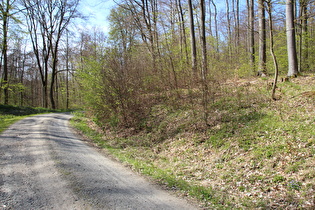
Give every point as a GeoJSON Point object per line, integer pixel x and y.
{"type": "Point", "coordinates": [43, 165]}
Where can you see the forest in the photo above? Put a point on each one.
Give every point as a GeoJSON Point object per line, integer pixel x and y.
{"type": "Point", "coordinates": [152, 46]}
{"type": "Point", "coordinates": [195, 77]}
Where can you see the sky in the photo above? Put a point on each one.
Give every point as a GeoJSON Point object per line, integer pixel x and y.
{"type": "Point", "coordinates": [96, 12]}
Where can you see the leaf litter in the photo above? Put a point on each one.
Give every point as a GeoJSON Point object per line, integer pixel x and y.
{"type": "Point", "coordinates": [257, 153]}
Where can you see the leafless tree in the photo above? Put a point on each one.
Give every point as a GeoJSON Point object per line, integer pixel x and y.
{"type": "Point", "coordinates": [47, 20]}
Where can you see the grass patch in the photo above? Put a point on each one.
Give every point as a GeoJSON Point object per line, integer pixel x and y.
{"type": "Point", "coordinates": [7, 120]}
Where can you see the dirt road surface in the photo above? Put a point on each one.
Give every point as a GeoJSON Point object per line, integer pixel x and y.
{"type": "Point", "coordinates": [43, 165]}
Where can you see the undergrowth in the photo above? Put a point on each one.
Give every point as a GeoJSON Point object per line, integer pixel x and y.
{"type": "Point", "coordinates": [254, 152]}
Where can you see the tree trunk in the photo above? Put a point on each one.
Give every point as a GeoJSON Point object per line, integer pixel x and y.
{"type": "Point", "coordinates": [67, 71]}
{"type": "Point", "coordinates": [238, 22]}
{"type": "Point", "coordinates": [183, 29]}
{"type": "Point", "coordinates": [262, 36]}
{"type": "Point", "coordinates": [291, 42]}
{"type": "Point", "coordinates": [216, 26]}
{"type": "Point", "coordinates": [193, 41]}
{"type": "Point", "coordinates": [274, 86]}
{"type": "Point", "coordinates": [203, 40]}
{"type": "Point", "coordinates": [236, 31]}
{"type": "Point", "coordinates": [5, 22]}
{"type": "Point", "coordinates": [228, 18]}
{"type": "Point", "coordinates": [22, 78]}
{"type": "Point", "coordinates": [204, 70]}
{"type": "Point", "coordinates": [304, 41]}
{"type": "Point", "coordinates": [251, 33]}
{"type": "Point", "coordinates": [54, 47]}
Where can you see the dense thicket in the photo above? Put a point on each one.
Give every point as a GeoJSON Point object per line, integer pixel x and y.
{"type": "Point", "coordinates": [156, 52]}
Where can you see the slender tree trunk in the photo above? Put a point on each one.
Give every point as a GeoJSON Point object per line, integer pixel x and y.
{"type": "Point", "coordinates": [203, 41]}
{"type": "Point", "coordinates": [193, 41]}
{"type": "Point", "coordinates": [291, 41]}
{"type": "Point", "coordinates": [236, 41]}
{"type": "Point", "coordinates": [22, 78]}
{"type": "Point", "coordinates": [183, 29]}
{"type": "Point", "coordinates": [210, 20]}
{"type": "Point", "coordinates": [228, 18]}
{"type": "Point", "coordinates": [216, 26]}
{"type": "Point", "coordinates": [51, 95]}
{"type": "Point", "coordinates": [251, 33]}
{"type": "Point", "coordinates": [262, 36]}
{"type": "Point", "coordinates": [274, 86]}
{"type": "Point", "coordinates": [238, 22]}
{"type": "Point", "coordinates": [67, 72]}
{"type": "Point", "coordinates": [204, 73]}
{"type": "Point", "coordinates": [54, 72]}
{"type": "Point", "coordinates": [5, 22]}
{"type": "Point", "coordinates": [304, 41]}
{"type": "Point", "coordinates": [45, 81]}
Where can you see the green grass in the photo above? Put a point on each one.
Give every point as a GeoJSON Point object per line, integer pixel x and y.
{"type": "Point", "coordinates": [7, 120]}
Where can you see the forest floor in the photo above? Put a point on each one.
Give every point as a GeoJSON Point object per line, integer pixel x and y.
{"type": "Point", "coordinates": [254, 153]}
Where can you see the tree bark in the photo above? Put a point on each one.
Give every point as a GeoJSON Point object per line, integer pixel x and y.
{"type": "Point", "coordinates": [291, 41]}
{"type": "Point", "coordinates": [5, 9]}
{"type": "Point", "coordinates": [274, 86]}
{"type": "Point", "coordinates": [67, 70]}
{"type": "Point", "coordinates": [192, 41]}
{"type": "Point", "coordinates": [228, 18]}
{"type": "Point", "coordinates": [251, 33]}
{"type": "Point", "coordinates": [216, 26]}
{"type": "Point", "coordinates": [203, 40]}
{"type": "Point", "coordinates": [183, 28]}
{"type": "Point", "coordinates": [204, 70]}
{"type": "Point", "coordinates": [238, 22]}
{"type": "Point", "coordinates": [262, 36]}
{"type": "Point", "coordinates": [304, 39]}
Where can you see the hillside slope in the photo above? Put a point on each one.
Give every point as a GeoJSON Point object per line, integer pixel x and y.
{"type": "Point", "coordinates": [254, 152]}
